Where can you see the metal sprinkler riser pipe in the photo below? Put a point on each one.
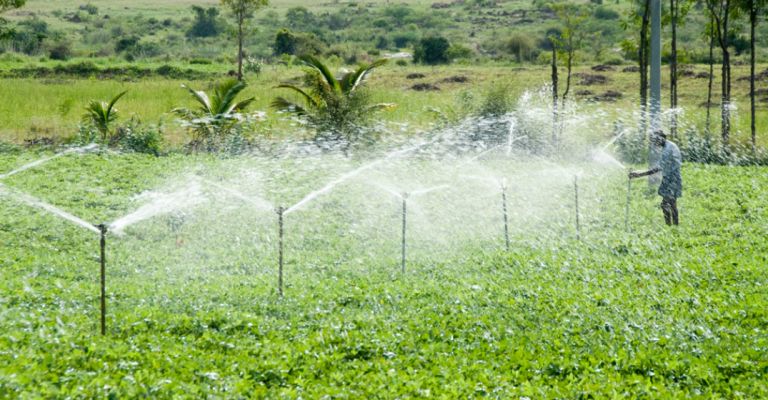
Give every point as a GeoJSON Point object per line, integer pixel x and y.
{"type": "Point", "coordinates": [103, 281]}
{"type": "Point", "coordinates": [405, 214]}
{"type": "Point", "coordinates": [280, 231]}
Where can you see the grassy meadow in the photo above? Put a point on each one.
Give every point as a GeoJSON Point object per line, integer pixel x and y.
{"type": "Point", "coordinates": [36, 108]}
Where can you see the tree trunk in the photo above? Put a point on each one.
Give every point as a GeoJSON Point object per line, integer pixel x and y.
{"type": "Point", "coordinates": [725, 107]}
{"type": "Point", "coordinates": [554, 94]}
{"type": "Point", "coordinates": [643, 53]}
{"type": "Point", "coordinates": [708, 127]}
{"type": "Point", "coordinates": [752, 26]}
{"type": "Point", "coordinates": [673, 69]}
{"type": "Point", "coordinates": [240, 22]}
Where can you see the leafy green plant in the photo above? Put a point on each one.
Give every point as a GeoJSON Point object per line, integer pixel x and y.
{"type": "Point", "coordinates": [335, 107]}
{"type": "Point", "coordinates": [216, 116]}
{"type": "Point", "coordinates": [102, 114]}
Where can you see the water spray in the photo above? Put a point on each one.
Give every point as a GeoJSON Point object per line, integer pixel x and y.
{"type": "Point", "coordinates": [404, 196]}
{"type": "Point", "coordinates": [576, 198]}
{"type": "Point", "coordinates": [280, 213]}
{"type": "Point", "coordinates": [103, 264]}
{"type": "Point", "coordinates": [504, 211]}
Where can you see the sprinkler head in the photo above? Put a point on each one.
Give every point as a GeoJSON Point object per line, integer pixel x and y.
{"type": "Point", "coordinates": [280, 210]}
{"type": "Point", "coordinates": [404, 195]}
{"type": "Point", "coordinates": [102, 228]}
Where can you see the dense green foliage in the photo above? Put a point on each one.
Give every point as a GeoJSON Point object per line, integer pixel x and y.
{"type": "Point", "coordinates": [337, 108]}
{"type": "Point", "coordinates": [349, 31]}
{"type": "Point", "coordinates": [656, 314]}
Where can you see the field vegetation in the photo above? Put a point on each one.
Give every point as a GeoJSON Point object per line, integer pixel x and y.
{"type": "Point", "coordinates": [379, 199]}
{"type": "Point", "coordinates": [193, 309]}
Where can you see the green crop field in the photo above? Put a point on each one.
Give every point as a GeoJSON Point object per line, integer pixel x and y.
{"type": "Point", "coordinates": [192, 307]}
{"type": "Point", "coordinates": [332, 226]}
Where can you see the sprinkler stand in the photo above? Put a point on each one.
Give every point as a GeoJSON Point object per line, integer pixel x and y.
{"type": "Point", "coordinates": [629, 199]}
{"type": "Point", "coordinates": [504, 210]}
{"type": "Point", "coordinates": [405, 213]}
{"type": "Point", "coordinates": [576, 197]}
{"type": "Point", "coordinates": [103, 262]}
{"type": "Point", "coordinates": [280, 226]}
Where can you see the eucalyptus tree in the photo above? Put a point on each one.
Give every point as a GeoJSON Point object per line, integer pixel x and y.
{"type": "Point", "coordinates": [721, 12]}
{"type": "Point", "coordinates": [335, 107]}
{"type": "Point", "coordinates": [753, 9]}
{"type": "Point", "coordinates": [677, 14]}
{"type": "Point", "coordinates": [242, 11]}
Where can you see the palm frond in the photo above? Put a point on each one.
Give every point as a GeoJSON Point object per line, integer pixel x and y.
{"type": "Point", "coordinates": [312, 101]}
{"type": "Point", "coordinates": [201, 97]}
{"type": "Point", "coordinates": [111, 105]}
{"type": "Point", "coordinates": [240, 106]}
{"type": "Point", "coordinates": [318, 65]}
{"type": "Point", "coordinates": [283, 104]}
{"type": "Point", "coordinates": [225, 94]}
{"type": "Point", "coordinates": [352, 80]}
{"type": "Point", "coordinates": [381, 107]}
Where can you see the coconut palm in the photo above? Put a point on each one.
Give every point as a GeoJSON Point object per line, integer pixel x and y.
{"type": "Point", "coordinates": [101, 114]}
{"type": "Point", "coordinates": [216, 115]}
{"type": "Point", "coordinates": [336, 108]}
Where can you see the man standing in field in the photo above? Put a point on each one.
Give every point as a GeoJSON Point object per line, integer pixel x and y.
{"type": "Point", "coordinates": [671, 182]}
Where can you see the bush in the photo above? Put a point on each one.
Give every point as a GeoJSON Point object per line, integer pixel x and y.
{"type": "Point", "coordinates": [521, 47]}
{"type": "Point", "coordinates": [457, 52]}
{"type": "Point", "coordinates": [606, 13]}
{"type": "Point", "coordinates": [139, 138]}
{"type": "Point", "coordinates": [432, 50]}
{"type": "Point", "coordinates": [206, 23]}
{"type": "Point", "coordinates": [60, 51]}
{"type": "Point", "coordinates": [89, 8]}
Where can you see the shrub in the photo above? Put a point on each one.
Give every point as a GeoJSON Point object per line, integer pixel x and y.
{"type": "Point", "coordinates": [206, 23]}
{"type": "Point", "coordinates": [432, 50]}
{"type": "Point", "coordinates": [60, 51]}
{"type": "Point", "coordinates": [522, 47]}
{"type": "Point", "coordinates": [139, 138]}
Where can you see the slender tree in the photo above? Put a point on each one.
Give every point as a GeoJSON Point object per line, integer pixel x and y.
{"type": "Point", "coordinates": [721, 12]}
{"type": "Point", "coordinates": [554, 90]}
{"type": "Point", "coordinates": [643, 55]}
{"type": "Point", "coordinates": [752, 8]}
{"type": "Point", "coordinates": [572, 18]}
{"type": "Point", "coordinates": [711, 78]}
{"type": "Point", "coordinates": [674, 12]}
{"type": "Point", "coordinates": [242, 11]}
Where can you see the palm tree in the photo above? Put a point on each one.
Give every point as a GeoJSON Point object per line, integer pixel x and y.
{"type": "Point", "coordinates": [101, 114]}
{"type": "Point", "coordinates": [334, 107]}
{"type": "Point", "coordinates": [215, 115]}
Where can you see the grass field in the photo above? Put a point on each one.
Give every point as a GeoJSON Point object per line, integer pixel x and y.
{"type": "Point", "coordinates": [193, 312]}
{"type": "Point", "coordinates": [54, 107]}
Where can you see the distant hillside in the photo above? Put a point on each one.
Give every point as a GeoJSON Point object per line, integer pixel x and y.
{"type": "Point", "coordinates": [347, 31]}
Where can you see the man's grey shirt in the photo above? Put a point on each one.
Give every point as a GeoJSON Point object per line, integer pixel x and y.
{"type": "Point", "coordinates": [670, 163]}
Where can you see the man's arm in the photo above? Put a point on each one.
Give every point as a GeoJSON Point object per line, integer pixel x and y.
{"type": "Point", "coordinates": [640, 174]}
